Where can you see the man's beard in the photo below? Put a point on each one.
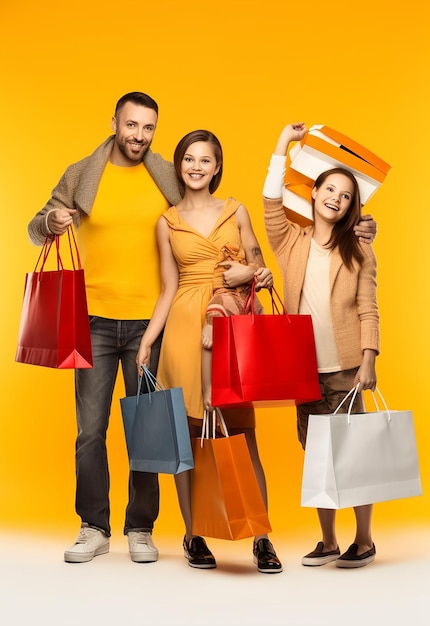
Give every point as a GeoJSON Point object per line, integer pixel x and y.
{"type": "Point", "coordinates": [130, 155]}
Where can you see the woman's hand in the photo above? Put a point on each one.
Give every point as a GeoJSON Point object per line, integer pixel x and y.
{"type": "Point", "coordinates": [263, 278]}
{"type": "Point", "coordinates": [366, 374]}
{"type": "Point", "coordinates": [291, 132]}
{"type": "Point", "coordinates": [143, 357]}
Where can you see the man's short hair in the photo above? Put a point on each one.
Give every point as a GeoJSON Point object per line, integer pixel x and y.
{"type": "Point", "coordinates": [137, 97]}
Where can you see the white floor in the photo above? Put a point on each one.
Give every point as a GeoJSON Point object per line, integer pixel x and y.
{"type": "Point", "coordinates": [38, 587]}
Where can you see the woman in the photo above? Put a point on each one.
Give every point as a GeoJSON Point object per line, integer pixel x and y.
{"type": "Point", "coordinates": [194, 237]}
{"type": "Point", "coordinates": [331, 275]}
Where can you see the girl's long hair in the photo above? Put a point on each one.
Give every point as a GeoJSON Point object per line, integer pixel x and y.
{"type": "Point", "coordinates": [342, 236]}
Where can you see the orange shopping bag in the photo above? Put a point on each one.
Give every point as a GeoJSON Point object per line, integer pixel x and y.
{"type": "Point", "coordinates": [225, 496]}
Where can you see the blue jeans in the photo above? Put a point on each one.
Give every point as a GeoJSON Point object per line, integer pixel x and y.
{"type": "Point", "coordinates": [113, 341]}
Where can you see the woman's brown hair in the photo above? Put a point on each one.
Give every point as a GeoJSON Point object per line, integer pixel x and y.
{"type": "Point", "coordinates": [342, 235]}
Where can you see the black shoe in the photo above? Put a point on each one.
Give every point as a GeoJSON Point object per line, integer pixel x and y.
{"type": "Point", "coordinates": [350, 558]}
{"type": "Point", "coordinates": [319, 557]}
{"type": "Point", "coordinates": [198, 554]}
{"type": "Point", "coordinates": [265, 557]}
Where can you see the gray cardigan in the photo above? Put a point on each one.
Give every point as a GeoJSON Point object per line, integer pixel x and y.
{"type": "Point", "coordinates": [78, 186]}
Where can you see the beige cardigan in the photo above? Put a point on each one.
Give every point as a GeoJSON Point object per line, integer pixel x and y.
{"type": "Point", "coordinates": [77, 187]}
{"type": "Point", "coordinates": [354, 309]}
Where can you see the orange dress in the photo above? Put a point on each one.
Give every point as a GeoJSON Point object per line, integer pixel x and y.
{"type": "Point", "coordinates": [197, 257]}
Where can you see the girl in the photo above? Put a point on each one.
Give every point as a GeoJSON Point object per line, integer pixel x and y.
{"type": "Point", "coordinates": [193, 237]}
{"type": "Point", "coordinates": [330, 274]}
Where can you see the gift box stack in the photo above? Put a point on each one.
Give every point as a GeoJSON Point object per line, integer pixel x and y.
{"type": "Point", "coordinates": [323, 148]}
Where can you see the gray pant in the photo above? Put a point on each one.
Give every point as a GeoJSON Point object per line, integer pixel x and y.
{"type": "Point", "coordinates": [113, 341]}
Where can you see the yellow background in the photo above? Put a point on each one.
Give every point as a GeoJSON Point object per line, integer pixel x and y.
{"type": "Point", "coordinates": [243, 69]}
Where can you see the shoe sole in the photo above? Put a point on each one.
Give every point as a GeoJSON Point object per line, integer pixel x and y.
{"type": "Point", "coordinates": [136, 557]}
{"type": "Point", "coordinates": [212, 566]}
{"type": "Point", "coordinates": [200, 566]}
{"type": "Point", "coordinates": [317, 561]}
{"type": "Point", "coordinates": [266, 571]}
{"type": "Point", "coordinates": [356, 563]}
{"type": "Point", "coordinates": [85, 557]}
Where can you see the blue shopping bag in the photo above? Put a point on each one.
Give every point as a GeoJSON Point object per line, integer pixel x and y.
{"type": "Point", "coordinates": [156, 429]}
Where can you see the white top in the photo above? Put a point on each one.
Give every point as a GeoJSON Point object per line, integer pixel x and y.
{"type": "Point", "coordinates": [315, 296]}
{"type": "Point", "coordinates": [315, 301]}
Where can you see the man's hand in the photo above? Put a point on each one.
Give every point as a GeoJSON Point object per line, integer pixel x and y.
{"type": "Point", "coordinates": [366, 229]}
{"type": "Point", "coordinates": [58, 221]}
{"type": "Point", "coordinates": [236, 273]}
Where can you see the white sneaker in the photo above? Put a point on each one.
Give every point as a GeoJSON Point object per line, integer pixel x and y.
{"type": "Point", "coordinates": [90, 543]}
{"type": "Point", "coordinates": [141, 547]}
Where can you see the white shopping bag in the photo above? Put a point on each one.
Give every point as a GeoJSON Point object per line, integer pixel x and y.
{"type": "Point", "coordinates": [360, 458]}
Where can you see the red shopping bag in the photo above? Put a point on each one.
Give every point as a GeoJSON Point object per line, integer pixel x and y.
{"type": "Point", "coordinates": [264, 360]}
{"type": "Point", "coordinates": [54, 329]}
{"type": "Point", "coordinates": [226, 500]}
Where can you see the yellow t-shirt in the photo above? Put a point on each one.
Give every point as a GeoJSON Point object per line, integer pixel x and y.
{"type": "Point", "coordinates": [118, 246]}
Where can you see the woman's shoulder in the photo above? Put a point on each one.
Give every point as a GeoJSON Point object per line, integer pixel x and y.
{"type": "Point", "coordinates": [230, 206]}
{"type": "Point", "coordinates": [170, 215]}
{"type": "Point", "coordinates": [232, 202]}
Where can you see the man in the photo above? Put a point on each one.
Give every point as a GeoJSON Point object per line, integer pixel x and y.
{"type": "Point", "coordinates": [114, 197]}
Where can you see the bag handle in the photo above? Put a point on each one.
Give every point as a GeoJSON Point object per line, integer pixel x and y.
{"type": "Point", "coordinates": [277, 304]}
{"type": "Point", "coordinates": [383, 402]}
{"type": "Point", "coordinates": [215, 414]}
{"type": "Point", "coordinates": [152, 383]}
{"type": "Point", "coordinates": [354, 391]}
{"type": "Point", "coordinates": [46, 248]}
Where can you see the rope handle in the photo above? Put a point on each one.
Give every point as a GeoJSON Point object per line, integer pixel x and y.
{"type": "Point", "coordinates": [210, 417]}
{"type": "Point", "coordinates": [278, 307]}
{"type": "Point", "coordinates": [383, 402]}
{"type": "Point", "coordinates": [47, 246]}
{"type": "Point", "coordinates": [152, 384]}
{"type": "Point", "coordinates": [354, 391]}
